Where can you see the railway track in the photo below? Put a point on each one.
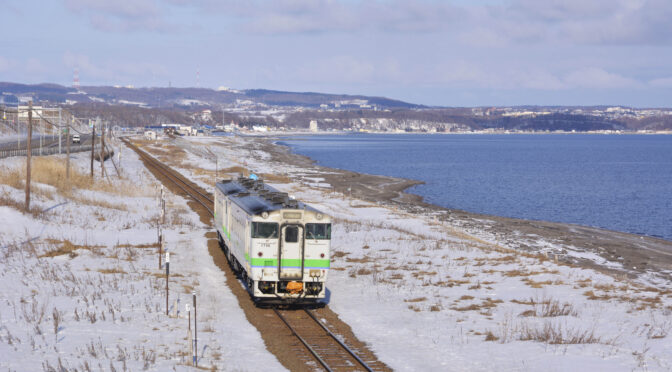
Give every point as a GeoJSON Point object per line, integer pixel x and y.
{"type": "Point", "coordinates": [177, 179]}
{"type": "Point", "coordinates": [319, 345]}
{"type": "Point", "coordinates": [325, 347]}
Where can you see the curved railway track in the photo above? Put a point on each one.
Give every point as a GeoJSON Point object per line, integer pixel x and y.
{"type": "Point", "coordinates": [322, 345]}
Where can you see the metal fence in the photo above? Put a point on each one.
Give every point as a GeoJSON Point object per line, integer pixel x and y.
{"type": "Point", "coordinates": [47, 151]}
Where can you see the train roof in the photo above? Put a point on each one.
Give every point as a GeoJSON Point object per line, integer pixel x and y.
{"type": "Point", "coordinates": [256, 197]}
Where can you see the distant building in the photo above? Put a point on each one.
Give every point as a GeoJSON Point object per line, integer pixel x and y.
{"type": "Point", "coordinates": [150, 135]}
{"type": "Point", "coordinates": [313, 126]}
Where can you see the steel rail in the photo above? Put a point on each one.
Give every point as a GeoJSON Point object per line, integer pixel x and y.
{"type": "Point", "coordinates": [169, 174]}
{"type": "Point", "coordinates": [182, 184]}
{"type": "Point", "coordinates": [344, 346]}
{"type": "Point", "coordinates": [305, 343]}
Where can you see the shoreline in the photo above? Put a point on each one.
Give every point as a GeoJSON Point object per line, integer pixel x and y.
{"type": "Point", "coordinates": [478, 133]}
{"type": "Point", "coordinates": [621, 252]}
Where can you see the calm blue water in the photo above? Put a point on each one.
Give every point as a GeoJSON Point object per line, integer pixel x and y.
{"type": "Point", "coordinates": [620, 183]}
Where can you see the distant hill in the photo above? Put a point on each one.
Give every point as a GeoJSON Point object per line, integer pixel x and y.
{"type": "Point", "coordinates": [176, 97]}
{"type": "Point", "coordinates": [128, 106]}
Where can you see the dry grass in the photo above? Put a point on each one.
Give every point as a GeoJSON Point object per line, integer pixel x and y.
{"type": "Point", "coordinates": [418, 299]}
{"type": "Point", "coordinates": [592, 296]}
{"type": "Point", "coordinates": [115, 270]}
{"type": "Point", "coordinates": [420, 274]}
{"type": "Point", "coordinates": [9, 202]}
{"type": "Point", "coordinates": [141, 246]}
{"type": "Point", "coordinates": [365, 259]}
{"type": "Point", "coordinates": [535, 284]}
{"type": "Point", "coordinates": [236, 170]}
{"type": "Point", "coordinates": [65, 247]}
{"type": "Point", "coordinates": [275, 178]}
{"type": "Point", "coordinates": [168, 153]}
{"type": "Point", "coordinates": [51, 171]}
{"type": "Point", "coordinates": [554, 334]}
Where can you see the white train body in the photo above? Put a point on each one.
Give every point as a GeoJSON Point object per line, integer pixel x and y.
{"type": "Point", "coordinates": [279, 246]}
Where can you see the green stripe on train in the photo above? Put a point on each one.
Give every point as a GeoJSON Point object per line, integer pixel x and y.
{"type": "Point", "coordinates": [288, 262]}
{"type": "Point", "coordinates": [226, 232]}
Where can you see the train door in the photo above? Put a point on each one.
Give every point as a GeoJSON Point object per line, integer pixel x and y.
{"type": "Point", "coordinates": [291, 252]}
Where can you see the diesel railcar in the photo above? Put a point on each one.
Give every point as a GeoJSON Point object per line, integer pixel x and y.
{"type": "Point", "coordinates": [279, 246]}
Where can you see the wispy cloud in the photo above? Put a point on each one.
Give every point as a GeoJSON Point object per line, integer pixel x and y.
{"type": "Point", "coordinates": [5, 64]}
{"type": "Point", "coordinates": [115, 72]}
{"type": "Point", "coordinates": [121, 15]}
{"type": "Point", "coordinates": [665, 82]}
{"type": "Point", "coordinates": [519, 21]}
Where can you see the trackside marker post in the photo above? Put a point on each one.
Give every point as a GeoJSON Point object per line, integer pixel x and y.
{"type": "Point", "coordinates": [191, 343]}
{"type": "Point", "coordinates": [160, 245]}
{"type": "Point", "coordinates": [167, 276]}
{"type": "Point", "coordinates": [193, 294]}
{"type": "Point", "coordinates": [188, 310]}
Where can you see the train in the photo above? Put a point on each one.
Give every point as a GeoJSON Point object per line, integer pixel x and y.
{"type": "Point", "coordinates": [279, 246]}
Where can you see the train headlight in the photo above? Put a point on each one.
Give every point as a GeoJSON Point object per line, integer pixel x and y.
{"type": "Point", "coordinates": [315, 273]}
{"type": "Point", "coordinates": [321, 255]}
{"type": "Point", "coordinates": [264, 215]}
{"type": "Point", "coordinates": [318, 216]}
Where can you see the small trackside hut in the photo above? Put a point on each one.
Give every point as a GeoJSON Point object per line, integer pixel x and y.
{"type": "Point", "coordinates": [279, 246]}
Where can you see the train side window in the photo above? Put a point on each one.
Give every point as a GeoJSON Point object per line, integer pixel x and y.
{"type": "Point", "coordinates": [320, 231]}
{"type": "Point", "coordinates": [291, 234]}
{"type": "Point", "coordinates": [264, 230]}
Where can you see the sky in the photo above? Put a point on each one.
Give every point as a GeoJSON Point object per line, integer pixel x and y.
{"type": "Point", "coordinates": [442, 53]}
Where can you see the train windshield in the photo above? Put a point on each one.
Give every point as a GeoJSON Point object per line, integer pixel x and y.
{"type": "Point", "coordinates": [318, 231]}
{"type": "Point", "coordinates": [264, 230]}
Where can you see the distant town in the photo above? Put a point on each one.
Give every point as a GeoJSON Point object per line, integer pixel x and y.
{"type": "Point", "coordinates": [200, 111]}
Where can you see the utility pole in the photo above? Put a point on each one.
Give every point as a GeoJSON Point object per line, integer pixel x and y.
{"type": "Point", "coordinates": [67, 145]}
{"type": "Point", "coordinates": [60, 130]}
{"type": "Point", "coordinates": [28, 153]}
{"type": "Point", "coordinates": [102, 148]}
{"type": "Point", "coordinates": [41, 134]}
{"type": "Point", "coordinates": [93, 142]}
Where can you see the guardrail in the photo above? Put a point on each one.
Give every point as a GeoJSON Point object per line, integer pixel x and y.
{"type": "Point", "coordinates": [47, 151]}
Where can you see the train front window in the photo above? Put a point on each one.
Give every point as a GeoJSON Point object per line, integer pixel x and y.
{"type": "Point", "coordinates": [291, 234]}
{"type": "Point", "coordinates": [264, 230]}
{"type": "Point", "coordinates": [320, 231]}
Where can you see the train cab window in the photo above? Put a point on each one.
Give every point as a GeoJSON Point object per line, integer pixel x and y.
{"type": "Point", "coordinates": [264, 230]}
{"type": "Point", "coordinates": [291, 234]}
{"type": "Point", "coordinates": [320, 231]}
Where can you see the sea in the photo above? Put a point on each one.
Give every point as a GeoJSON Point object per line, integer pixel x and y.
{"type": "Point", "coordinates": [617, 182]}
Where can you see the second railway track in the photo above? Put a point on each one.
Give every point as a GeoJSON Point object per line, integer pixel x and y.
{"type": "Point", "coordinates": [321, 347]}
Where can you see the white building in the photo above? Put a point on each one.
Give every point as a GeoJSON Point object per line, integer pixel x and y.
{"type": "Point", "coordinates": [150, 135]}
{"type": "Point", "coordinates": [313, 126]}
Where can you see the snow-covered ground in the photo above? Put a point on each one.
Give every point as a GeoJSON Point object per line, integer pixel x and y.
{"type": "Point", "coordinates": [81, 287]}
{"type": "Point", "coordinates": [426, 294]}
